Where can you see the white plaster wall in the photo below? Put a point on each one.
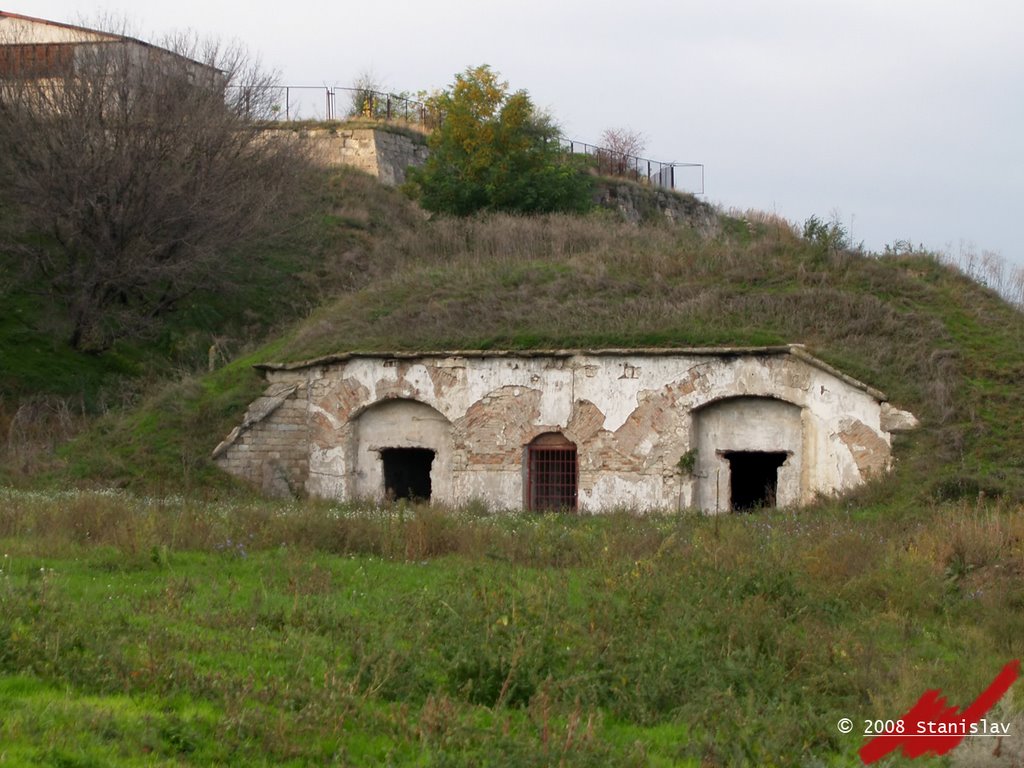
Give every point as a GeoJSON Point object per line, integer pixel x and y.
{"type": "Point", "coordinates": [630, 414]}
{"type": "Point", "coordinates": [614, 385]}
{"type": "Point", "coordinates": [328, 473]}
{"type": "Point", "coordinates": [833, 407]}
{"type": "Point", "coordinates": [499, 489]}
{"type": "Point", "coordinates": [635, 493]}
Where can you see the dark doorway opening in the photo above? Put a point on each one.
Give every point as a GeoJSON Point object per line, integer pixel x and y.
{"type": "Point", "coordinates": [754, 478]}
{"type": "Point", "coordinates": [407, 472]}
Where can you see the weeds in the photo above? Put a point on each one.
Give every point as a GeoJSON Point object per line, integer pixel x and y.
{"type": "Point", "coordinates": [318, 631]}
{"type": "Point", "coordinates": [33, 430]}
{"type": "Point", "coordinates": [642, 620]}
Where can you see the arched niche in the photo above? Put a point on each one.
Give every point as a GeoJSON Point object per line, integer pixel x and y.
{"type": "Point", "coordinates": [749, 454]}
{"type": "Point", "coordinates": [403, 449]}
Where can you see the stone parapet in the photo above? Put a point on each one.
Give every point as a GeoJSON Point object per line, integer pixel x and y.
{"type": "Point", "coordinates": [379, 152]}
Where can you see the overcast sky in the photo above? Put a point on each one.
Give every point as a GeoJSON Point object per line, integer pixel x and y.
{"type": "Point", "coordinates": [905, 118]}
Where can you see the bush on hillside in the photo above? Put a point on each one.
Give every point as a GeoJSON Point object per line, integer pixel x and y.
{"type": "Point", "coordinates": [495, 151]}
{"type": "Point", "coordinates": [830, 236]}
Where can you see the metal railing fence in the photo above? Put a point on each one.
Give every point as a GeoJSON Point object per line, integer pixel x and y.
{"type": "Point", "coordinates": [294, 103]}
{"type": "Point", "coordinates": [378, 105]}
{"type": "Point", "coordinates": [609, 162]}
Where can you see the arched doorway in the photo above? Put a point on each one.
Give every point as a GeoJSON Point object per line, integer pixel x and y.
{"type": "Point", "coordinates": [749, 454]}
{"type": "Point", "coordinates": [403, 450]}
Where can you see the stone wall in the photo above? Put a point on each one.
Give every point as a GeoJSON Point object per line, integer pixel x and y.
{"type": "Point", "coordinates": [387, 155]}
{"type": "Point", "coordinates": [381, 153]}
{"type": "Point", "coordinates": [395, 153]}
{"type": "Point", "coordinates": [270, 448]}
{"type": "Point", "coordinates": [634, 416]}
{"type": "Point", "coordinates": [641, 202]}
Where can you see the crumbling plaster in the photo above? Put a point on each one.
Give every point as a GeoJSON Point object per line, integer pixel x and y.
{"type": "Point", "coordinates": [631, 413]}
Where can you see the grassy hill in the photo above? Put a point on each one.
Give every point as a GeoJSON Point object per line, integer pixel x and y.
{"type": "Point", "coordinates": [937, 343]}
{"type": "Point", "coordinates": [49, 391]}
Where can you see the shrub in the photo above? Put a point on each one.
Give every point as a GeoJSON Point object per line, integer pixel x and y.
{"type": "Point", "coordinates": [495, 151]}
{"type": "Point", "coordinates": [831, 236]}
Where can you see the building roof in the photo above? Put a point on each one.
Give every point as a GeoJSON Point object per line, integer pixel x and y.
{"type": "Point", "coordinates": [86, 35]}
{"type": "Point", "coordinates": [71, 27]}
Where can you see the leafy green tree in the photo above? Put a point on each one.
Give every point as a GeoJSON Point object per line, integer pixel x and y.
{"type": "Point", "coordinates": [495, 151]}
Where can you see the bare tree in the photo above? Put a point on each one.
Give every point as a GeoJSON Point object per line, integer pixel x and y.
{"type": "Point", "coordinates": [1017, 287]}
{"type": "Point", "coordinates": [134, 175]}
{"type": "Point", "coordinates": [365, 99]}
{"type": "Point", "coordinates": [620, 150]}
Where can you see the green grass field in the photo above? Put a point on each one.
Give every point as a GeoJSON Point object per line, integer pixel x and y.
{"type": "Point", "coordinates": [144, 631]}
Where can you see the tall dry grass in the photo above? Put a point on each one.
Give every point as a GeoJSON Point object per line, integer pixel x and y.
{"type": "Point", "coordinates": [828, 542]}
{"type": "Point", "coordinates": [32, 428]}
{"type": "Point", "coordinates": [563, 281]}
{"type": "Point", "coordinates": [990, 269]}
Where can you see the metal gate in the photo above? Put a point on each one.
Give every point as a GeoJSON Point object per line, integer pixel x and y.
{"type": "Point", "coordinates": [551, 477]}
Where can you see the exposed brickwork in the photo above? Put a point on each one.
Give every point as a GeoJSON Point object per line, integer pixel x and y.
{"type": "Point", "coordinates": [340, 397]}
{"type": "Point", "coordinates": [444, 379]}
{"type": "Point", "coordinates": [870, 452]}
{"type": "Point", "coordinates": [273, 453]}
{"type": "Point", "coordinates": [585, 422]}
{"type": "Point", "coordinates": [495, 428]}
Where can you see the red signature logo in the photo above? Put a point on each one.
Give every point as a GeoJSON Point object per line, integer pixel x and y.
{"type": "Point", "coordinates": [933, 727]}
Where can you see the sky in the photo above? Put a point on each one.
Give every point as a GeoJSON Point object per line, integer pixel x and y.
{"type": "Point", "coordinates": [901, 119]}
